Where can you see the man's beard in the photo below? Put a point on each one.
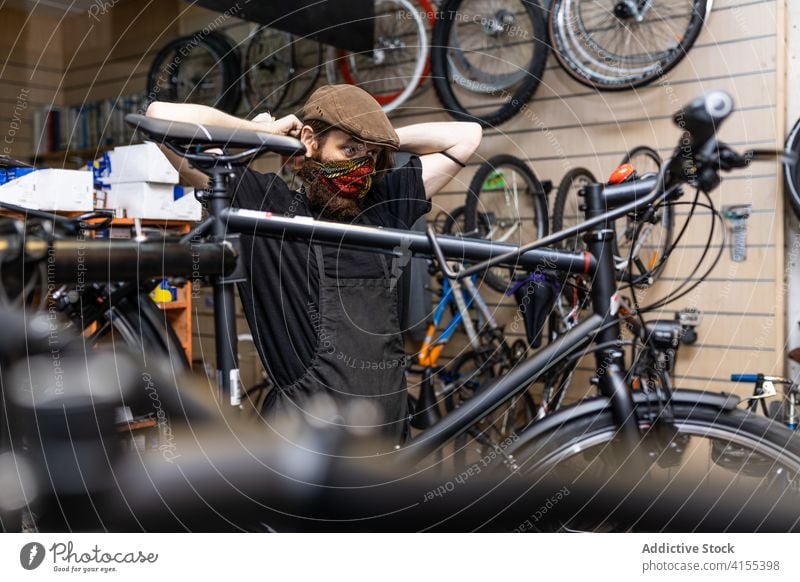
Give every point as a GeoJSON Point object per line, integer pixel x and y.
{"type": "Point", "coordinates": [325, 201]}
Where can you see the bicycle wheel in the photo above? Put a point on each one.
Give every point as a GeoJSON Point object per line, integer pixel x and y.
{"type": "Point", "coordinates": [507, 191]}
{"type": "Point", "coordinates": [280, 70]}
{"type": "Point", "coordinates": [566, 211]}
{"type": "Point", "coordinates": [644, 159]}
{"type": "Point", "coordinates": [642, 243]}
{"type": "Point", "coordinates": [482, 49]}
{"type": "Point", "coordinates": [703, 443]}
{"type": "Point", "coordinates": [791, 172]}
{"type": "Point", "coordinates": [453, 224]}
{"type": "Point", "coordinates": [394, 68]}
{"type": "Point", "coordinates": [197, 69]}
{"type": "Point", "coordinates": [268, 67]}
{"type": "Point", "coordinates": [622, 44]}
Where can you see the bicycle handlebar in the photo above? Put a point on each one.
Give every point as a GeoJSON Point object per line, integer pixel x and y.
{"type": "Point", "coordinates": [744, 377]}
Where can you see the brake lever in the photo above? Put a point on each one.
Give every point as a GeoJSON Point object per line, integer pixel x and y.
{"type": "Point", "coordinates": [83, 220]}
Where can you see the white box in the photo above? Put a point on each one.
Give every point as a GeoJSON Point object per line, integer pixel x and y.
{"type": "Point", "coordinates": [151, 200]}
{"type": "Point", "coordinates": [51, 189]}
{"type": "Point", "coordinates": [139, 163]}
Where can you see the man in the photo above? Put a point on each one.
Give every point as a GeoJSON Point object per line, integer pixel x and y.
{"type": "Point", "coordinates": [324, 318]}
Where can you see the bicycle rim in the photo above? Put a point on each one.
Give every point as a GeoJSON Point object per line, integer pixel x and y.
{"type": "Point", "coordinates": [612, 46]}
{"type": "Point", "coordinates": [203, 71]}
{"type": "Point", "coordinates": [703, 449]}
{"type": "Point", "coordinates": [507, 191]}
{"type": "Point", "coordinates": [268, 69]}
{"type": "Point", "coordinates": [487, 58]}
{"type": "Point", "coordinates": [394, 68]}
{"type": "Point", "coordinates": [645, 243]}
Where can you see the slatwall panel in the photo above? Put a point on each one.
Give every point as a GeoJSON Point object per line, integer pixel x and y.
{"type": "Point", "coordinates": [30, 75]}
{"type": "Point", "coordinates": [568, 125]}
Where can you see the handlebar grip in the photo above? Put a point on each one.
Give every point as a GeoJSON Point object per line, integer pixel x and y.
{"type": "Point", "coordinates": [703, 116]}
{"type": "Point", "coordinates": [744, 377]}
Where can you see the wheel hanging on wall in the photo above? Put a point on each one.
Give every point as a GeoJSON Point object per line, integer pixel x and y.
{"type": "Point", "coordinates": [620, 45]}
{"type": "Point", "coordinates": [280, 70]}
{"type": "Point", "coordinates": [199, 68]}
{"type": "Point", "coordinates": [506, 194]}
{"type": "Point", "coordinates": [487, 58]}
{"type": "Point", "coordinates": [396, 65]}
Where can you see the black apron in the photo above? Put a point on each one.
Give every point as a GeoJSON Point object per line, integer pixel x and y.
{"type": "Point", "coordinates": [359, 351]}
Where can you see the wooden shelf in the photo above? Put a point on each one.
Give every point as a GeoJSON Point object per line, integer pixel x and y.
{"type": "Point", "coordinates": [172, 305]}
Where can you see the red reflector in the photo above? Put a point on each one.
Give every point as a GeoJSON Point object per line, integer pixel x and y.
{"type": "Point", "coordinates": [621, 174]}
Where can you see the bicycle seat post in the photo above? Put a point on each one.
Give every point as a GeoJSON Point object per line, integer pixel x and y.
{"type": "Point", "coordinates": [228, 376]}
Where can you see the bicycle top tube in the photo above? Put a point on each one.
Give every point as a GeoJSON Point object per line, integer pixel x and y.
{"type": "Point", "coordinates": [259, 223]}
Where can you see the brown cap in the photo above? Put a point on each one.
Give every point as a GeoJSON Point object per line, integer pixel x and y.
{"type": "Point", "coordinates": [353, 110]}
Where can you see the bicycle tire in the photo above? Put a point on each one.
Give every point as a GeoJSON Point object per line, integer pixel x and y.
{"type": "Point", "coordinates": [572, 57]}
{"type": "Point", "coordinates": [262, 91]}
{"type": "Point", "coordinates": [141, 326]}
{"type": "Point", "coordinates": [515, 97]}
{"type": "Point", "coordinates": [791, 172]}
{"type": "Point", "coordinates": [705, 431]}
{"type": "Point", "coordinates": [302, 58]}
{"type": "Point", "coordinates": [164, 83]}
{"type": "Point", "coordinates": [454, 224]}
{"type": "Point", "coordinates": [479, 197]}
{"type": "Point", "coordinates": [564, 215]}
{"type": "Point", "coordinates": [387, 58]}
{"type": "Point", "coordinates": [646, 152]}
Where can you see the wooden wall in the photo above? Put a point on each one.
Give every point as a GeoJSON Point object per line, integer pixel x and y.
{"type": "Point", "coordinates": [741, 50]}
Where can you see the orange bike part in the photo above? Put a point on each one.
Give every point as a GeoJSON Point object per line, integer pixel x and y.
{"type": "Point", "coordinates": [621, 174]}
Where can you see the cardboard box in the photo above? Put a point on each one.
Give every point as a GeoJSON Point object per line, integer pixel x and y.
{"type": "Point", "coordinates": [139, 163]}
{"type": "Point", "coordinates": [155, 201]}
{"type": "Point", "coordinates": [51, 189]}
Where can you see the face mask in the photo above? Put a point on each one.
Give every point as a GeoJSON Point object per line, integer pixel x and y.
{"type": "Point", "coordinates": [348, 178]}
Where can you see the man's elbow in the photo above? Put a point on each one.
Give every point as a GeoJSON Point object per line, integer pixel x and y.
{"type": "Point", "coordinates": [155, 110]}
{"type": "Point", "coordinates": [473, 135]}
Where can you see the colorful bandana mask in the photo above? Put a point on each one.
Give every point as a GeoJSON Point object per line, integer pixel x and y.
{"type": "Point", "coordinates": [348, 178]}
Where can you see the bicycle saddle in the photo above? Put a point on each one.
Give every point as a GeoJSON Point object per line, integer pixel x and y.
{"type": "Point", "coordinates": [184, 134]}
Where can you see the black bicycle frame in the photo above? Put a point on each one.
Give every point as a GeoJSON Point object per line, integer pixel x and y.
{"type": "Point", "coordinates": [602, 207]}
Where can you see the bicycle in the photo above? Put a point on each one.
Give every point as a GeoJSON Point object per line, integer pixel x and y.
{"type": "Point", "coordinates": [787, 411]}
{"type": "Point", "coordinates": [652, 230]}
{"type": "Point", "coordinates": [575, 435]}
{"type": "Point", "coordinates": [506, 203]}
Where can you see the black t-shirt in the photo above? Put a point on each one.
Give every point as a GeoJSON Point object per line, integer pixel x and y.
{"type": "Point", "coordinates": [282, 274]}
